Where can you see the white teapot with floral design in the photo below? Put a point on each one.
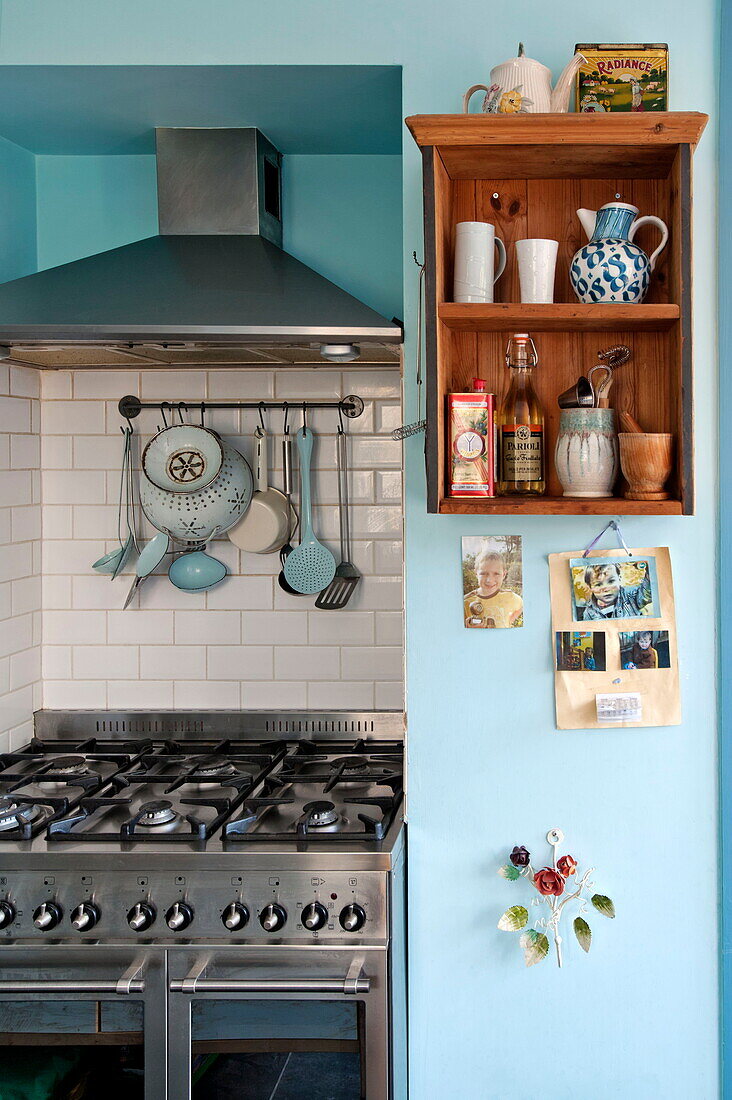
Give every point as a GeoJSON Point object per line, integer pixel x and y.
{"type": "Point", "coordinates": [524, 86]}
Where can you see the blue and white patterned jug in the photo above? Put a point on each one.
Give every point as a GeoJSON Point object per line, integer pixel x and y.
{"type": "Point", "coordinates": [611, 268]}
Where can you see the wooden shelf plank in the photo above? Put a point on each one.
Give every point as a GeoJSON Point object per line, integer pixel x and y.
{"type": "Point", "coordinates": [557, 317]}
{"type": "Point", "coordinates": [649, 128]}
{"type": "Point", "coordinates": [559, 506]}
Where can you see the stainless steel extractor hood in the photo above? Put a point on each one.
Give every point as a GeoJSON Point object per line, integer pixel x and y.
{"type": "Point", "coordinates": [214, 286]}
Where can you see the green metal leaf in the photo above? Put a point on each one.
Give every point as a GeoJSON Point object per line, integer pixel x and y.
{"type": "Point", "coordinates": [509, 871]}
{"type": "Point", "coordinates": [535, 946]}
{"type": "Point", "coordinates": [513, 919]}
{"type": "Point", "coordinates": [583, 933]}
{"type": "Point", "coordinates": [603, 905]}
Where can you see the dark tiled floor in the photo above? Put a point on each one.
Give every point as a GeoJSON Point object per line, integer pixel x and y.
{"type": "Point", "coordinates": [326, 1076]}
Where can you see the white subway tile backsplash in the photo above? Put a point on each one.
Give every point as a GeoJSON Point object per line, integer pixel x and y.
{"type": "Point", "coordinates": [25, 452]}
{"type": "Point", "coordinates": [5, 600]}
{"type": "Point", "coordinates": [140, 693]}
{"type": "Point", "coordinates": [74, 486]}
{"type": "Point", "coordinates": [16, 708]}
{"type": "Point", "coordinates": [109, 662]}
{"type": "Point", "coordinates": [17, 488]}
{"type": "Point", "coordinates": [177, 662]}
{"type": "Point", "coordinates": [25, 668]}
{"type": "Point", "coordinates": [15, 414]}
{"type": "Point", "coordinates": [274, 627]}
{"type": "Point", "coordinates": [55, 385]}
{"type": "Point", "coordinates": [206, 693]}
{"type": "Point", "coordinates": [246, 642]}
{"type": "Point", "coordinates": [26, 523]}
{"type": "Point", "coordinates": [27, 595]}
{"type": "Point", "coordinates": [16, 634]}
{"type": "Point", "coordinates": [277, 695]}
{"type": "Point", "coordinates": [16, 561]}
{"type": "Point", "coordinates": [209, 628]}
{"type": "Point", "coordinates": [389, 696]}
{"type": "Point", "coordinates": [25, 382]}
{"type": "Point", "coordinates": [5, 451]}
{"type": "Point", "coordinates": [72, 417]}
{"type": "Point", "coordinates": [372, 663]}
{"type": "Point", "coordinates": [73, 694]}
{"type": "Point", "coordinates": [341, 627]}
{"type": "Point", "coordinates": [239, 662]}
{"type": "Point", "coordinates": [140, 627]}
{"type": "Point", "coordinates": [5, 530]}
{"type": "Point", "coordinates": [4, 675]}
{"type": "Point", "coordinates": [307, 662]}
{"type": "Point", "coordinates": [74, 627]}
{"type": "Point", "coordinates": [345, 694]}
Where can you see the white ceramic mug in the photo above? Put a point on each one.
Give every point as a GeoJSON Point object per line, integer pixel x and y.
{"type": "Point", "coordinates": [475, 270]}
{"type": "Point", "coordinates": [537, 260]}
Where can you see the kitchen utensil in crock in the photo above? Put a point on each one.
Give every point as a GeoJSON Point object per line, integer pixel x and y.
{"type": "Point", "coordinates": [311, 566]}
{"type": "Point", "coordinates": [579, 396]}
{"type": "Point", "coordinates": [266, 525]}
{"type": "Point", "coordinates": [192, 517]}
{"type": "Point", "coordinates": [346, 577]}
{"type": "Point", "coordinates": [613, 358]}
{"type": "Point", "coordinates": [286, 550]}
{"type": "Point", "coordinates": [598, 387]}
{"type": "Point", "coordinates": [183, 458]}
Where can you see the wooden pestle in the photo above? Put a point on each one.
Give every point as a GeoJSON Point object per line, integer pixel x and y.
{"type": "Point", "coordinates": [629, 423]}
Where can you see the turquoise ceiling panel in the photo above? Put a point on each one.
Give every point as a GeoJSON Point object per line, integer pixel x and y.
{"type": "Point", "coordinates": [113, 109]}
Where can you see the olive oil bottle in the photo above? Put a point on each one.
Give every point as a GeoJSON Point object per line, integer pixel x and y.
{"type": "Point", "coordinates": [520, 424]}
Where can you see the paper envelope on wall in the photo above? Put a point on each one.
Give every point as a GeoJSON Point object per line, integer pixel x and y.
{"type": "Point", "coordinates": [576, 690]}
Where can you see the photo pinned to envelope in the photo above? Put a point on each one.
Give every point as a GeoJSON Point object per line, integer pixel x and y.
{"type": "Point", "coordinates": [632, 677]}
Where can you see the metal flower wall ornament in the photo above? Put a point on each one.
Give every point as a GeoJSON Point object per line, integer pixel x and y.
{"type": "Point", "coordinates": [560, 881]}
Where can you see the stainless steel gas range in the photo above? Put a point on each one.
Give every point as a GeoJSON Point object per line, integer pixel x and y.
{"type": "Point", "coordinates": [184, 889]}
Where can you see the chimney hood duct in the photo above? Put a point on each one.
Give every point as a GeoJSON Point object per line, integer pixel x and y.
{"type": "Point", "coordinates": [215, 277]}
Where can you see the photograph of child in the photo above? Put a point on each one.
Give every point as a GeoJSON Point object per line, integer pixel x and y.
{"type": "Point", "coordinates": [644, 649]}
{"type": "Point", "coordinates": [613, 588]}
{"type": "Point", "coordinates": [580, 651]}
{"type": "Point", "coordinates": [492, 581]}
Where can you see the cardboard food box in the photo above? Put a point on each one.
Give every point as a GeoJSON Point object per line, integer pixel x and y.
{"type": "Point", "coordinates": [622, 77]}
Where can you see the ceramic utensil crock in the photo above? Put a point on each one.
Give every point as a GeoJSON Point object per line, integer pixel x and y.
{"type": "Point", "coordinates": [586, 454]}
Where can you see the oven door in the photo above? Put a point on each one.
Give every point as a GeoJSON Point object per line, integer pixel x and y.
{"type": "Point", "coordinates": [83, 1020]}
{"type": "Point", "coordinates": [279, 1022]}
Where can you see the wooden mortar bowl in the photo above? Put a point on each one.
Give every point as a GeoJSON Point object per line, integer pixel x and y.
{"type": "Point", "coordinates": [646, 459]}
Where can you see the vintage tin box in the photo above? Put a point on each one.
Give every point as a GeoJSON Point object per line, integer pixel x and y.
{"type": "Point", "coordinates": [632, 77]}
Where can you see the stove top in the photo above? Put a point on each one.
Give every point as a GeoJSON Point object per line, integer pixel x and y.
{"type": "Point", "coordinates": [227, 791]}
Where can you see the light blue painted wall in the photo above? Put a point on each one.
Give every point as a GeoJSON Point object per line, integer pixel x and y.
{"type": "Point", "coordinates": [90, 204]}
{"type": "Point", "coordinates": [637, 1019]}
{"type": "Point", "coordinates": [17, 211]}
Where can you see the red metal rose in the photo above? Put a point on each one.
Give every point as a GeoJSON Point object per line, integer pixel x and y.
{"type": "Point", "coordinates": [549, 881]}
{"type": "Point", "coordinates": [567, 865]}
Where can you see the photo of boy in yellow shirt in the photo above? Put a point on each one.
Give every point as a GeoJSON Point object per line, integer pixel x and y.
{"type": "Point", "coordinates": [493, 601]}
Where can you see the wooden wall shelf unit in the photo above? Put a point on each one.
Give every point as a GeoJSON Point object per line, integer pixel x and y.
{"type": "Point", "coordinates": [528, 174]}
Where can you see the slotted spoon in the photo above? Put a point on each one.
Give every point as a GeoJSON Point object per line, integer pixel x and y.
{"type": "Point", "coordinates": [340, 589]}
{"type": "Point", "coordinates": [311, 566]}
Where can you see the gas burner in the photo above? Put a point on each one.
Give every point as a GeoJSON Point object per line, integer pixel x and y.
{"type": "Point", "coordinates": [350, 765]}
{"type": "Point", "coordinates": [319, 814]}
{"type": "Point", "coordinates": [12, 815]}
{"type": "Point", "coordinates": [212, 767]}
{"type": "Point", "coordinates": [70, 765]}
{"type": "Point", "coordinates": [154, 814]}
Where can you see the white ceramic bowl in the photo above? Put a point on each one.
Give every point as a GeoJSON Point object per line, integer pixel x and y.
{"type": "Point", "coordinates": [193, 517]}
{"type": "Point", "coordinates": [183, 458]}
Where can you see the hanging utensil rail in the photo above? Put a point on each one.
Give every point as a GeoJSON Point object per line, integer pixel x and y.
{"type": "Point", "coordinates": [130, 406]}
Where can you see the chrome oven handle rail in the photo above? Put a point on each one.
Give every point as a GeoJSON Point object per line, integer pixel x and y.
{"type": "Point", "coordinates": [354, 982]}
{"type": "Point", "coordinates": [127, 983]}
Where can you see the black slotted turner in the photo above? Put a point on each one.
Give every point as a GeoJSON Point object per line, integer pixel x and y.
{"type": "Point", "coordinates": [346, 577]}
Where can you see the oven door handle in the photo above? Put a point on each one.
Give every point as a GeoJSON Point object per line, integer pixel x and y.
{"type": "Point", "coordinates": [354, 982]}
{"type": "Point", "coordinates": [127, 983]}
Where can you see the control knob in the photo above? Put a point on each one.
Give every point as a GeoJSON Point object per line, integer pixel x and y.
{"type": "Point", "coordinates": [272, 918]}
{"type": "Point", "coordinates": [85, 916]}
{"type": "Point", "coordinates": [47, 916]}
{"type": "Point", "coordinates": [352, 918]}
{"type": "Point", "coordinates": [141, 916]}
{"type": "Point", "coordinates": [179, 916]}
{"type": "Point", "coordinates": [314, 916]}
{"type": "Point", "coordinates": [7, 913]}
{"type": "Point", "coordinates": [235, 916]}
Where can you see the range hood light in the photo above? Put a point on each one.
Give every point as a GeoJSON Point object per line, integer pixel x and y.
{"type": "Point", "coordinates": [340, 353]}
